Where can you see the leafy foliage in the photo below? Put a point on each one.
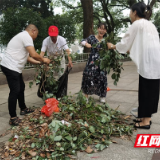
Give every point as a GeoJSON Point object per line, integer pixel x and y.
{"type": "Point", "coordinates": [40, 6]}
{"type": "Point", "coordinates": [13, 22]}
{"type": "Point", "coordinates": [66, 28]}
{"type": "Point", "coordinates": [78, 127]}
{"type": "Point", "coordinates": [46, 75]}
{"type": "Point", "coordinates": [157, 21]}
{"type": "Point", "coordinates": [109, 59]}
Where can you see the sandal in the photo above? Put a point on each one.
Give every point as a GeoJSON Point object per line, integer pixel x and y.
{"type": "Point", "coordinates": [26, 111]}
{"type": "Point", "coordinates": [137, 120]}
{"type": "Point", "coordinates": [142, 127]}
{"type": "Point", "coordinates": [15, 121]}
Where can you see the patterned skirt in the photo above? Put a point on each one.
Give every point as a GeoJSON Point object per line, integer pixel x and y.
{"type": "Point", "coordinates": [94, 82]}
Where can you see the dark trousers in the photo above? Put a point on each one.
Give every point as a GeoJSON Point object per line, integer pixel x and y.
{"type": "Point", "coordinates": [148, 97]}
{"type": "Point", "coordinates": [17, 87]}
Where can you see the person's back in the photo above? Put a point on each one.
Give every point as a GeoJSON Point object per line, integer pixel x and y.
{"type": "Point", "coordinates": [145, 50]}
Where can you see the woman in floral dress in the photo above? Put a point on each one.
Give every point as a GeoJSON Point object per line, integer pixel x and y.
{"type": "Point", "coordinates": [94, 79]}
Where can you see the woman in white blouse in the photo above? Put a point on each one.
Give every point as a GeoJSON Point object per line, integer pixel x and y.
{"type": "Point", "coordinates": [142, 42]}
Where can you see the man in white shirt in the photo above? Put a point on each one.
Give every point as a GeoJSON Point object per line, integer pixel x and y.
{"type": "Point", "coordinates": [55, 45]}
{"type": "Point", "coordinates": [19, 50]}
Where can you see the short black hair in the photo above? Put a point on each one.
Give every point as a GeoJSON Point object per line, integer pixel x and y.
{"type": "Point", "coordinates": [105, 27]}
{"type": "Point", "coordinates": [102, 24]}
{"type": "Point", "coordinates": [143, 10]}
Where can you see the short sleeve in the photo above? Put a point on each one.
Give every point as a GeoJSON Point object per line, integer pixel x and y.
{"type": "Point", "coordinates": [27, 40]}
{"type": "Point", "coordinates": [65, 46]}
{"type": "Point", "coordinates": [44, 46]}
{"type": "Point", "coordinates": [128, 39]}
{"type": "Point", "coordinates": [88, 40]}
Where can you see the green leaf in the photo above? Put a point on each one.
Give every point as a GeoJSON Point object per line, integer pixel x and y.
{"type": "Point", "coordinates": [52, 137]}
{"type": "Point", "coordinates": [97, 146]}
{"type": "Point", "coordinates": [75, 138]}
{"type": "Point", "coordinates": [30, 84]}
{"type": "Point", "coordinates": [102, 146]}
{"type": "Point", "coordinates": [113, 76]}
{"type": "Point", "coordinates": [61, 149]}
{"type": "Point", "coordinates": [73, 145]}
{"type": "Point", "coordinates": [57, 138]}
{"type": "Point", "coordinates": [33, 145]}
{"type": "Point", "coordinates": [71, 108]}
{"type": "Point", "coordinates": [92, 129]}
{"type": "Point", "coordinates": [58, 144]}
{"type": "Point", "coordinates": [69, 138]}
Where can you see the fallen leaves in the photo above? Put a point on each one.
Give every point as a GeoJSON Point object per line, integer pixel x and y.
{"type": "Point", "coordinates": [89, 149]}
{"type": "Point", "coordinates": [33, 154]}
{"type": "Point", "coordinates": [49, 137]}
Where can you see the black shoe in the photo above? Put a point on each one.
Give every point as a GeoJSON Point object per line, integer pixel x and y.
{"type": "Point", "coordinates": [26, 111]}
{"type": "Point", "coordinates": [142, 127]}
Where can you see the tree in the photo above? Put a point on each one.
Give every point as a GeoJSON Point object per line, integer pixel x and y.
{"type": "Point", "coordinates": [13, 22]}
{"type": "Point", "coordinates": [157, 22]}
{"type": "Point", "coordinates": [66, 28]}
{"type": "Point", "coordinates": [87, 19]}
{"type": "Point", "coordinates": [105, 10]}
{"type": "Point", "coordinates": [41, 6]}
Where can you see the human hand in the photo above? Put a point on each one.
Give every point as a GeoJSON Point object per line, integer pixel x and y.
{"type": "Point", "coordinates": [70, 64]}
{"type": "Point", "coordinates": [88, 45]}
{"type": "Point", "coordinates": [46, 60]}
{"type": "Point", "coordinates": [110, 46]}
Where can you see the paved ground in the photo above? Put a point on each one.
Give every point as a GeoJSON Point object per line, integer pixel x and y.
{"type": "Point", "coordinates": [124, 150]}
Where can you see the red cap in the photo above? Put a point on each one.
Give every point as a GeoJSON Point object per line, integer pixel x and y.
{"type": "Point", "coordinates": [53, 31]}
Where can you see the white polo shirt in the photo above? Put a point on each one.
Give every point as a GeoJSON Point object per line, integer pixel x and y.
{"type": "Point", "coordinates": [16, 54]}
{"type": "Point", "coordinates": [53, 48]}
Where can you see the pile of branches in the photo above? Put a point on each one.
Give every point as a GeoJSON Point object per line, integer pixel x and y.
{"type": "Point", "coordinates": [46, 77]}
{"type": "Point", "coordinates": [78, 127]}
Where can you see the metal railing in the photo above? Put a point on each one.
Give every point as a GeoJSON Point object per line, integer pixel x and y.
{"type": "Point", "coordinates": [76, 58]}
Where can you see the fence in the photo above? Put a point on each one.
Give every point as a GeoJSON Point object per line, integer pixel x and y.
{"type": "Point", "coordinates": [76, 58]}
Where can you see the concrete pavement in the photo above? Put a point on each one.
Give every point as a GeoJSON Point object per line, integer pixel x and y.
{"type": "Point", "coordinates": [124, 95]}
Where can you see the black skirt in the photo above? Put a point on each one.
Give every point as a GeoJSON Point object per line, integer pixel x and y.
{"type": "Point", "coordinates": [148, 97]}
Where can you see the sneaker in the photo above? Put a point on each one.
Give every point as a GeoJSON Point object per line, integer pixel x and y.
{"type": "Point", "coordinates": [133, 112]}
{"type": "Point", "coordinates": [134, 109]}
{"type": "Point", "coordinates": [102, 99]}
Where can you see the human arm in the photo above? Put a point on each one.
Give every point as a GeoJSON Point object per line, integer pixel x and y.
{"type": "Point", "coordinates": [44, 47]}
{"type": "Point", "coordinates": [126, 42]}
{"type": "Point", "coordinates": [42, 54]}
{"type": "Point", "coordinates": [69, 58]}
{"type": "Point", "coordinates": [87, 42]}
{"type": "Point", "coordinates": [36, 56]}
{"type": "Point", "coordinates": [67, 50]}
{"type": "Point", "coordinates": [112, 46]}
{"type": "Point", "coordinates": [33, 61]}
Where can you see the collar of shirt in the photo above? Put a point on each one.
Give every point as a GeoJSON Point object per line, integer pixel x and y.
{"type": "Point", "coordinates": [51, 42]}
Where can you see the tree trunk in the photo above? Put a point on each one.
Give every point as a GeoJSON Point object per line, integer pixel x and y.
{"type": "Point", "coordinates": [87, 6]}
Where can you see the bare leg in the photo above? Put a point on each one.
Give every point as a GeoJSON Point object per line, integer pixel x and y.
{"type": "Point", "coordinates": [145, 121]}
{"type": "Point", "coordinates": [86, 95]}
